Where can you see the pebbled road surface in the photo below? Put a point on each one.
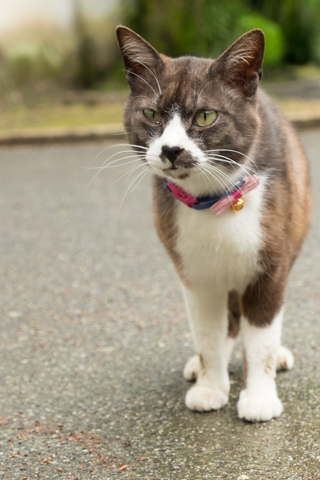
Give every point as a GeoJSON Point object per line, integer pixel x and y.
{"type": "Point", "coordinates": [94, 338]}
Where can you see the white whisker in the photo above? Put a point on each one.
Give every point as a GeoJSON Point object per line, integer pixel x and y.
{"type": "Point", "coordinates": [230, 161]}
{"type": "Point", "coordinates": [142, 177]}
{"type": "Point", "coordinates": [223, 174]}
{"type": "Point", "coordinates": [226, 190]}
{"type": "Point", "coordinates": [111, 163]}
{"type": "Point", "coordinates": [219, 160]}
{"type": "Point", "coordinates": [205, 176]}
{"type": "Point", "coordinates": [213, 174]}
{"type": "Point", "coordinates": [116, 145]}
{"type": "Point", "coordinates": [145, 81]}
{"type": "Point", "coordinates": [233, 151]}
{"type": "Point", "coordinates": [136, 155]}
{"type": "Point", "coordinates": [152, 73]}
{"type": "Point", "coordinates": [120, 165]}
{"type": "Point", "coordinates": [133, 181]}
{"type": "Point", "coordinates": [204, 88]}
{"type": "Point", "coordinates": [129, 172]}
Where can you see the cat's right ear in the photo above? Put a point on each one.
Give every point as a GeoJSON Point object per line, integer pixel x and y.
{"type": "Point", "coordinates": [141, 60]}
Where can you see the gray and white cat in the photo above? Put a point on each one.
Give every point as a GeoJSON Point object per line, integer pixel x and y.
{"type": "Point", "coordinates": [231, 204]}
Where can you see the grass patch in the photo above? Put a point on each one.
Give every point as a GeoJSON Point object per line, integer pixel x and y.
{"type": "Point", "coordinates": [296, 108]}
{"type": "Point", "coordinates": [59, 115]}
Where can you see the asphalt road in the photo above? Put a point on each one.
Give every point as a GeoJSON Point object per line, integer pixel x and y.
{"type": "Point", "coordinates": [94, 338]}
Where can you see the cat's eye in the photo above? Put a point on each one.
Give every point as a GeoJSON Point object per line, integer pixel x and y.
{"type": "Point", "coordinates": [151, 115]}
{"type": "Point", "coordinates": [203, 118]}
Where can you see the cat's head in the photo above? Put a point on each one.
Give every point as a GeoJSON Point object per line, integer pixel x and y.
{"type": "Point", "coordinates": [196, 117]}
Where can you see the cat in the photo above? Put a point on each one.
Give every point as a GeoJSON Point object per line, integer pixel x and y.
{"type": "Point", "coordinates": [231, 200]}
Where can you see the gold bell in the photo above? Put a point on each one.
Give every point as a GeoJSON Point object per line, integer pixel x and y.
{"type": "Point", "coordinates": [238, 205]}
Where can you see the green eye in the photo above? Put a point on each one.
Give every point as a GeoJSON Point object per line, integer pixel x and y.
{"type": "Point", "coordinates": [151, 115]}
{"type": "Point", "coordinates": [204, 118]}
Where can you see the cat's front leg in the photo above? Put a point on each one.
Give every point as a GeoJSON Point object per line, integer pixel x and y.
{"type": "Point", "coordinates": [261, 333]}
{"type": "Point", "coordinates": [207, 311]}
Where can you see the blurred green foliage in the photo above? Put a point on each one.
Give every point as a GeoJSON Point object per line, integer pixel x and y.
{"type": "Point", "coordinates": [275, 46]}
{"type": "Point", "coordinates": [207, 27]}
{"type": "Point", "coordinates": [32, 61]}
{"type": "Point", "coordinates": [88, 57]}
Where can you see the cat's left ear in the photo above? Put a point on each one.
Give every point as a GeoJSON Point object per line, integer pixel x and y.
{"type": "Point", "coordinates": [240, 66]}
{"type": "Point", "coordinates": [140, 58]}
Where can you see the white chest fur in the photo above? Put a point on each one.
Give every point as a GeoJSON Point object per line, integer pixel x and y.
{"type": "Point", "coordinates": [221, 251]}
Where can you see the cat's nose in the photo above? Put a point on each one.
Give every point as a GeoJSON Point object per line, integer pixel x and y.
{"type": "Point", "coordinates": [171, 152]}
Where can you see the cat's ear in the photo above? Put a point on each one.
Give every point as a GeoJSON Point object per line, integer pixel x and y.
{"type": "Point", "coordinates": [240, 66]}
{"type": "Point", "coordinates": [141, 60]}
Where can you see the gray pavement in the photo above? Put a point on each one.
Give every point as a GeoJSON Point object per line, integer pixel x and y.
{"type": "Point", "coordinates": [94, 338]}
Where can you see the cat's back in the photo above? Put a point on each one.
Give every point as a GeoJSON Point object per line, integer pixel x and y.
{"type": "Point", "coordinates": [281, 158]}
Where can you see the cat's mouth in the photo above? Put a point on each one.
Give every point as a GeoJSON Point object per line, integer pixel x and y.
{"type": "Point", "coordinates": [180, 169]}
{"type": "Point", "coordinates": [174, 169]}
{"type": "Point", "coordinates": [176, 172]}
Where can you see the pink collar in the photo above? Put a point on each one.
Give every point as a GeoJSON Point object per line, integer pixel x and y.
{"type": "Point", "coordinates": [220, 203]}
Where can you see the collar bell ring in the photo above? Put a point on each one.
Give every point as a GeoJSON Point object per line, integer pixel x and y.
{"type": "Point", "coordinates": [220, 203]}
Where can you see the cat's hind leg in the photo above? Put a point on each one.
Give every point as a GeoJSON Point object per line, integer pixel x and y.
{"type": "Point", "coordinates": [192, 368]}
{"type": "Point", "coordinates": [285, 360]}
{"type": "Point", "coordinates": [208, 318]}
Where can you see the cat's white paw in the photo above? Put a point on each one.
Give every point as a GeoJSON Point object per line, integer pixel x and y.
{"type": "Point", "coordinates": [285, 359]}
{"type": "Point", "coordinates": [192, 368]}
{"type": "Point", "coordinates": [204, 399]}
{"type": "Point", "coordinates": [259, 407]}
